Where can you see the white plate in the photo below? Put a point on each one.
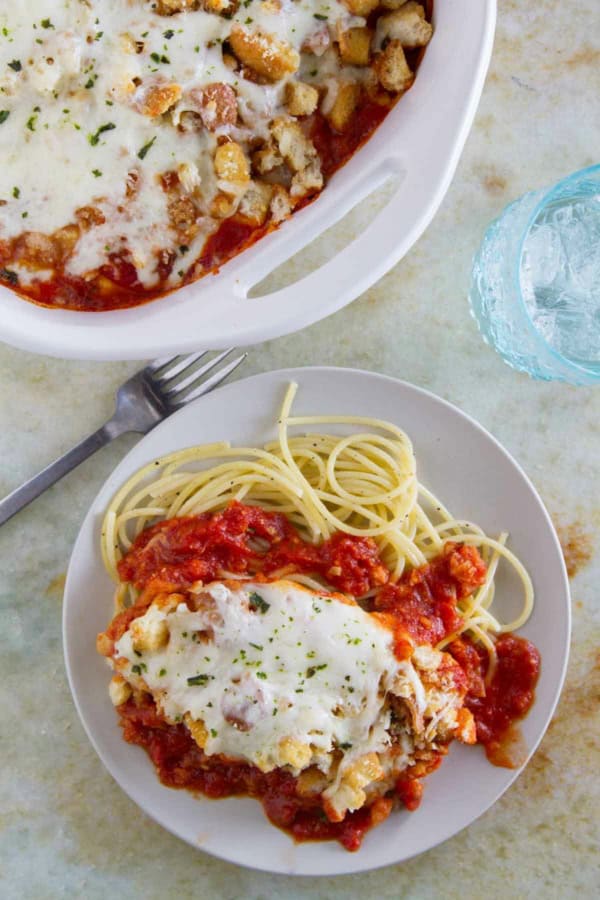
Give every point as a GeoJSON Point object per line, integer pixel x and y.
{"type": "Point", "coordinates": [419, 144]}
{"type": "Point", "coordinates": [474, 476]}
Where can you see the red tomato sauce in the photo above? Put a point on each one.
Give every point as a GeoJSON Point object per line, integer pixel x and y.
{"type": "Point", "coordinates": [497, 706]}
{"type": "Point", "coordinates": [335, 148]}
{"type": "Point", "coordinates": [173, 554]}
{"type": "Point", "coordinates": [202, 548]}
{"type": "Point", "coordinates": [182, 764]}
{"type": "Point", "coordinates": [424, 599]}
{"type": "Point", "coordinates": [231, 237]}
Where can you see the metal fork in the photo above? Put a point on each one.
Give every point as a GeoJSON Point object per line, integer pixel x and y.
{"type": "Point", "coordinates": [143, 401]}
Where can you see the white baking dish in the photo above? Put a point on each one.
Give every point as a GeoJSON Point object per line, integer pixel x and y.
{"type": "Point", "coordinates": [420, 141]}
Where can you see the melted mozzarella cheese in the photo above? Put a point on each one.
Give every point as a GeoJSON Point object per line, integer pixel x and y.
{"type": "Point", "coordinates": [70, 125]}
{"type": "Point", "coordinates": [292, 665]}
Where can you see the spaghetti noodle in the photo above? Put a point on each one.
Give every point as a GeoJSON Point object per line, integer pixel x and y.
{"type": "Point", "coordinates": [363, 483]}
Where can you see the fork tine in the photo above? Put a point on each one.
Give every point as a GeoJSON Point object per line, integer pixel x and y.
{"type": "Point", "coordinates": [183, 364]}
{"type": "Point", "coordinates": [158, 364]}
{"type": "Point", "coordinates": [213, 381]}
{"type": "Point", "coordinates": [197, 373]}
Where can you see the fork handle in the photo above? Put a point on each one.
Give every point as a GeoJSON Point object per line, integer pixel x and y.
{"type": "Point", "coordinates": [31, 489]}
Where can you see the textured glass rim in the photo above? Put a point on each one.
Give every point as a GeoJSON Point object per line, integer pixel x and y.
{"type": "Point", "coordinates": [559, 187]}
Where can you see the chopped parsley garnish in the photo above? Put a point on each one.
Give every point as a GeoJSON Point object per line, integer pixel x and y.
{"type": "Point", "coordinates": [258, 603]}
{"type": "Point", "coordinates": [162, 673]}
{"type": "Point", "coordinates": [16, 193]}
{"type": "Point", "coordinates": [90, 82]}
{"type": "Point", "coordinates": [146, 148]}
{"type": "Point", "coordinates": [346, 745]}
{"type": "Point", "coordinates": [256, 646]}
{"type": "Point", "coordinates": [94, 139]}
{"type": "Point", "coordinates": [31, 122]}
{"type": "Point", "coordinates": [15, 65]}
{"type": "Point", "coordinates": [320, 17]}
{"type": "Point", "coordinates": [46, 23]}
{"type": "Point", "coordinates": [213, 732]}
{"type": "Point", "coordinates": [136, 669]}
{"type": "Point", "coordinates": [9, 276]}
{"type": "Point", "coordinates": [261, 675]}
{"type": "Point", "coordinates": [98, 36]}
{"type": "Point", "coordinates": [96, 173]}
{"type": "Point", "coordinates": [160, 58]}
{"type": "Point", "coordinates": [168, 34]}
{"type": "Point", "coordinates": [312, 670]}
{"type": "Point", "coordinates": [199, 679]}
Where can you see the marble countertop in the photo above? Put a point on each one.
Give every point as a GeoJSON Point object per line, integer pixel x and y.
{"type": "Point", "coordinates": [66, 829]}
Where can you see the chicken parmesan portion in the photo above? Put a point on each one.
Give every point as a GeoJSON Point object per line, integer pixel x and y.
{"type": "Point", "coordinates": [145, 143]}
{"type": "Point", "coordinates": [277, 676]}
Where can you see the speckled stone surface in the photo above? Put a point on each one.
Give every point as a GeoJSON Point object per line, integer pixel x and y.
{"type": "Point", "coordinates": [66, 830]}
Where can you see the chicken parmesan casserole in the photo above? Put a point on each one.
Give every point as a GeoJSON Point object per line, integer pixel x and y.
{"type": "Point", "coordinates": [307, 625]}
{"type": "Point", "coordinates": [145, 142]}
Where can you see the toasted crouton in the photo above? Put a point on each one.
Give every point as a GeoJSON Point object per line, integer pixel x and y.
{"type": "Point", "coordinates": [254, 205]}
{"type": "Point", "coordinates": [264, 53]}
{"type": "Point", "coordinates": [391, 68]}
{"type": "Point", "coordinates": [296, 149]}
{"type": "Point", "coordinates": [158, 99]}
{"type": "Point", "coordinates": [308, 181]}
{"type": "Point", "coordinates": [407, 25]}
{"type": "Point", "coordinates": [301, 99]}
{"type": "Point", "coordinates": [355, 46]}
{"type": "Point", "coordinates": [340, 112]}
{"type": "Point", "coordinates": [183, 216]}
{"type": "Point", "coordinates": [231, 164]}
{"type": "Point", "coordinates": [281, 206]}
{"type": "Point", "coordinates": [266, 159]}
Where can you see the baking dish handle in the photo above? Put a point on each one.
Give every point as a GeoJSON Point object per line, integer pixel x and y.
{"type": "Point", "coordinates": [372, 253]}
